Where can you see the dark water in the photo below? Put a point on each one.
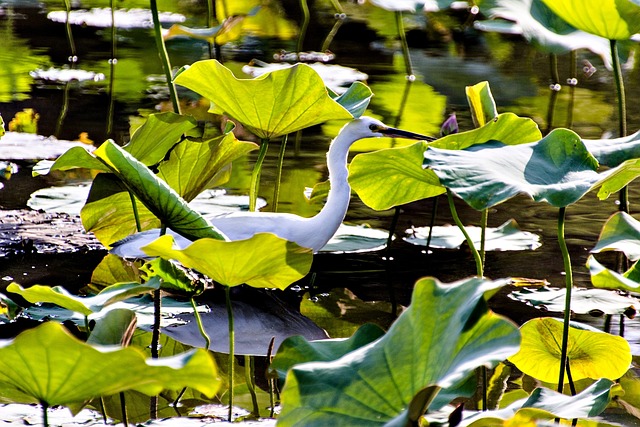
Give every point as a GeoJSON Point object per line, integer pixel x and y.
{"type": "Point", "coordinates": [443, 63]}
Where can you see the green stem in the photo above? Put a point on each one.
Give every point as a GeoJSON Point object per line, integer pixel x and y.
{"type": "Point", "coordinates": [136, 215]}
{"type": "Point", "coordinates": [573, 81]}
{"type": "Point", "coordinates": [45, 414]}
{"type": "Point", "coordinates": [432, 222]}
{"type": "Point", "coordinates": [403, 41]}
{"type": "Point", "coordinates": [73, 58]}
{"type": "Point", "coordinates": [123, 408]}
{"type": "Point", "coordinates": [623, 195]}
{"type": "Point", "coordinates": [248, 377]}
{"type": "Point", "coordinates": [340, 17]}
{"type": "Point", "coordinates": [231, 350]}
{"type": "Point", "coordinates": [207, 340]}
{"type": "Point", "coordinates": [155, 340]}
{"type": "Point", "coordinates": [276, 187]}
{"type": "Point", "coordinates": [164, 56]}
{"type": "Point", "coordinates": [255, 174]}
{"type": "Point", "coordinates": [210, 20]}
{"type": "Point", "coordinates": [567, 301]}
{"type": "Point", "coordinates": [306, 17]}
{"type": "Point", "coordinates": [112, 69]}
{"type": "Point", "coordinates": [483, 235]}
{"type": "Point", "coordinates": [472, 247]}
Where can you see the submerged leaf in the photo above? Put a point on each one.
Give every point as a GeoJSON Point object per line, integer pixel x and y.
{"type": "Point", "coordinates": [272, 105]}
{"type": "Point", "coordinates": [557, 169]}
{"type": "Point", "coordinates": [49, 365]}
{"type": "Point", "coordinates": [263, 261]}
{"type": "Point", "coordinates": [507, 237]}
{"type": "Point", "coordinates": [436, 343]}
{"type": "Point", "coordinates": [591, 353]}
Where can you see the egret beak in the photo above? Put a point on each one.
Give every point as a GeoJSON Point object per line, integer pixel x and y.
{"type": "Point", "coordinates": [399, 133]}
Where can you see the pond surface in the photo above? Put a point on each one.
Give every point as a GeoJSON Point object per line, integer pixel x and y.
{"type": "Point", "coordinates": [120, 93]}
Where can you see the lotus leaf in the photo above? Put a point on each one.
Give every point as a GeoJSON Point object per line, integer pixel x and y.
{"type": "Point", "coordinates": [591, 353]}
{"type": "Point", "coordinates": [546, 30]}
{"type": "Point", "coordinates": [602, 277]}
{"type": "Point", "coordinates": [436, 343]}
{"type": "Point", "coordinates": [49, 365]}
{"type": "Point", "coordinates": [507, 237]}
{"type": "Point", "coordinates": [583, 301]}
{"type": "Point", "coordinates": [115, 327]}
{"type": "Point", "coordinates": [483, 106]}
{"type": "Point", "coordinates": [272, 105]}
{"type": "Point", "coordinates": [296, 350]}
{"type": "Point", "coordinates": [355, 99]}
{"type": "Point", "coordinates": [611, 19]}
{"type": "Point", "coordinates": [263, 261]}
{"type": "Point", "coordinates": [557, 169]}
{"type": "Point", "coordinates": [356, 238]}
{"type": "Point", "coordinates": [545, 404]}
{"type": "Point", "coordinates": [84, 305]}
{"type": "Point", "coordinates": [615, 179]}
{"type": "Point", "coordinates": [113, 269]}
{"type": "Point", "coordinates": [612, 152]}
{"type": "Point", "coordinates": [392, 177]}
{"type": "Point", "coordinates": [154, 193]}
{"type": "Point", "coordinates": [621, 232]}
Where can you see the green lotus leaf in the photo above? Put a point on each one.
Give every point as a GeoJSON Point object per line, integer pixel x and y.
{"type": "Point", "coordinates": [621, 232]}
{"type": "Point", "coordinates": [583, 300]}
{"type": "Point", "coordinates": [356, 238]}
{"type": "Point", "coordinates": [557, 169]}
{"type": "Point", "coordinates": [611, 19]}
{"type": "Point", "coordinates": [173, 276]}
{"type": "Point", "coordinates": [602, 277]}
{"type": "Point", "coordinates": [113, 269]}
{"type": "Point", "coordinates": [271, 105]}
{"type": "Point", "coordinates": [263, 261]}
{"type": "Point", "coordinates": [613, 152]}
{"type": "Point", "coordinates": [483, 106]}
{"type": "Point", "coordinates": [613, 180]}
{"type": "Point", "coordinates": [73, 158]}
{"type": "Point", "coordinates": [436, 343]}
{"type": "Point", "coordinates": [591, 353]}
{"type": "Point", "coordinates": [84, 305]}
{"type": "Point", "coordinates": [153, 140]}
{"type": "Point", "coordinates": [229, 30]}
{"type": "Point", "coordinates": [48, 365]}
{"type": "Point", "coordinates": [115, 327]}
{"type": "Point", "coordinates": [355, 99]}
{"type": "Point", "coordinates": [506, 237]}
{"type": "Point", "coordinates": [154, 193]}
{"type": "Point", "coordinates": [544, 29]}
{"type": "Point", "coordinates": [392, 177]}
{"type": "Point", "coordinates": [296, 350]}
{"type": "Point", "coordinates": [546, 404]}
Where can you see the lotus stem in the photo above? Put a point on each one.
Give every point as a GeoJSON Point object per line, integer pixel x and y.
{"type": "Point", "coordinates": [270, 378]}
{"type": "Point", "coordinates": [340, 17]}
{"type": "Point", "coordinates": [248, 377]}
{"type": "Point", "coordinates": [164, 56]}
{"type": "Point", "coordinates": [484, 219]}
{"type": "Point", "coordinates": [136, 215]}
{"type": "Point", "coordinates": [207, 340]}
{"type": "Point", "coordinates": [306, 17]}
{"type": "Point", "coordinates": [231, 350]}
{"type": "Point", "coordinates": [403, 42]}
{"type": "Point", "coordinates": [255, 174]}
{"type": "Point", "coordinates": [391, 289]}
{"type": "Point", "coordinates": [123, 408]}
{"type": "Point", "coordinates": [155, 339]}
{"type": "Point", "coordinates": [567, 302]}
{"type": "Point", "coordinates": [572, 82]}
{"type": "Point", "coordinates": [432, 222]}
{"type": "Point", "coordinates": [276, 188]}
{"type": "Point", "coordinates": [112, 69]}
{"type": "Point", "coordinates": [623, 195]}
{"type": "Point", "coordinates": [73, 58]}
{"type": "Point", "coordinates": [210, 19]}
{"type": "Point", "coordinates": [472, 247]}
{"type": "Point", "coordinates": [45, 414]}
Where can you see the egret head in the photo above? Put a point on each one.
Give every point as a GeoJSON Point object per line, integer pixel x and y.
{"type": "Point", "coordinates": [368, 127]}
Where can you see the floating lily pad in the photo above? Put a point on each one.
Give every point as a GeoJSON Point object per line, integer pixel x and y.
{"type": "Point", "coordinates": [583, 300]}
{"type": "Point", "coordinates": [507, 237]}
{"type": "Point", "coordinates": [66, 75]}
{"type": "Point", "coordinates": [591, 353]}
{"type": "Point", "coordinates": [356, 238]}
{"type": "Point", "coordinates": [124, 18]}
{"type": "Point", "coordinates": [27, 146]}
{"type": "Point", "coordinates": [66, 199]}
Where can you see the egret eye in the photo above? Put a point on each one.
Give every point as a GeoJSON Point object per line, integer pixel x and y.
{"type": "Point", "coordinates": [373, 127]}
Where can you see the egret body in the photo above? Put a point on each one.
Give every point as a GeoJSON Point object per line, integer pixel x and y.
{"type": "Point", "coordinates": [313, 232]}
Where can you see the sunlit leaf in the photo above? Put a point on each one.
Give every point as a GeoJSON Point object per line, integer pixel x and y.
{"type": "Point", "coordinates": [436, 343]}
{"type": "Point", "coordinates": [356, 99]}
{"type": "Point", "coordinates": [602, 277]}
{"type": "Point", "coordinates": [591, 353]}
{"type": "Point", "coordinates": [392, 177]}
{"type": "Point", "coordinates": [115, 327]}
{"type": "Point", "coordinates": [264, 261]}
{"type": "Point", "coordinates": [271, 105]}
{"type": "Point", "coordinates": [583, 301]}
{"type": "Point", "coordinates": [611, 19]}
{"type": "Point", "coordinates": [483, 106]}
{"type": "Point", "coordinates": [85, 305]}
{"type": "Point", "coordinates": [545, 404]}
{"type": "Point", "coordinates": [75, 157]}
{"type": "Point", "coordinates": [507, 237]}
{"type": "Point", "coordinates": [154, 193]}
{"type": "Point", "coordinates": [615, 179]}
{"type": "Point", "coordinates": [296, 350]}
{"type": "Point", "coordinates": [557, 169]}
{"type": "Point", "coordinates": [621, 232]}
{"type": "Point", "coordinates": [612, 152]}
{"type": "Point", "coordinates": [47, 364]}
{"type": "Point", "coordinates": [113, 269]}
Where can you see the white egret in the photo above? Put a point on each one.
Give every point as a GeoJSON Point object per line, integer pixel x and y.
{"type": "Point", "coordinates": [313, 232]}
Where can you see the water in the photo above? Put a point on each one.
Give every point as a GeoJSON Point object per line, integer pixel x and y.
{"type": "Point", "coordinates": [443, 63]}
